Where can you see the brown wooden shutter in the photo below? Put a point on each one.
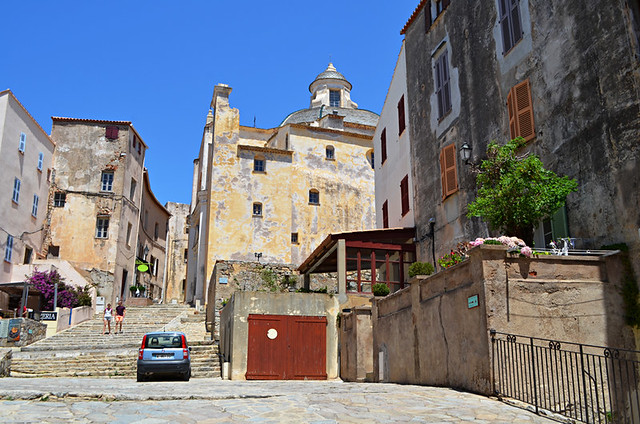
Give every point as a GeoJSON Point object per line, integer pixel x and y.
{"type": "Point", "coordinates": [404, 194]}
{"type": "Point", "coordinates": [112, 132]}
{"type": "Point", "coordinates": [385, 214]}
{"type": "Point", "coordinates": [524, 110]}
{"type": "Point", "coordinates": [448, 171]}
{"type": "Point", "coordinates": [383, 145]}
{"type": "Point", "coordinates": [401, 121]}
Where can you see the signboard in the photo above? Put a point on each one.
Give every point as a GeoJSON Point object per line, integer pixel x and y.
{"type": "Point", "coordinates": [14, 330]}
{"type": "Point", "coordinates": [4, 328]}
{"type": "Point", "coordinates": [223, 280]}
{"type": "Point", "coordinates": [48, 316]}
{"type": "Point", "coordinates": [472, 301]}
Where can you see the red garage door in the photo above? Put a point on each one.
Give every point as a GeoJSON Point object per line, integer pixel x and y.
{"type": "Point", "coordinates": [283, 347]}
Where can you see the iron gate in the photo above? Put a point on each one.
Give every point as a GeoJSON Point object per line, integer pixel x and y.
{"type": "Point", "coordinates": [591, 384]}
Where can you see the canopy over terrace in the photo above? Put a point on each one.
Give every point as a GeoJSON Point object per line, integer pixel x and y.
{"type": "Point", "coordinates": [363, 258]}
{"type": "Point", "coordinates": [18, 293]}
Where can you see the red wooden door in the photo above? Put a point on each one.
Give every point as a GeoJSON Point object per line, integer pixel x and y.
{"type": "Point", "coordinates": [286, 347]}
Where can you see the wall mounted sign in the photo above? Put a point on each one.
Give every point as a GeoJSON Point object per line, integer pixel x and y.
{"type": "Point", "coordinates": [472, 301]}
{"type": "Point", "coordinates": [223, 280]}
{"type": "Point", "coordinates": [272, 333]}
{"type": "Point", "coordinates": [14, 330]}
{"type": "Point", "coordinates": [48, 316]}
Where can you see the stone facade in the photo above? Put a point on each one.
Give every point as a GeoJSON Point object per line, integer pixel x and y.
{"type": "Point", "coordinates": [26, 154]}
{"type": "Point", "coordinates": [273, 194]}
{"type": "Point", "coordinates": [581, 63]}
{"type": "Point", "coordinates": [177, 245]}
{"type": "Point", "coordinates": [101, 186]}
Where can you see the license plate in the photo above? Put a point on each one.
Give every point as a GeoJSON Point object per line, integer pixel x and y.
{"type": "Point", "coordinates": [163, 355]}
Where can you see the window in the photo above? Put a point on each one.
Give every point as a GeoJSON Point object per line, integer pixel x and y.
{"type": "Point", "coordinates": [34, 208]}
{"type": "Point", "coordinates": [331, 153]}
{"type": "Point", "coordinates": [155, 267]}
{"type": "Point", "coordinates": [23, 142]}
{"type": "Point", "coordinates": [53, 251]}
{"type": "Point", "coordinates": [286, 142]}
{"type": "Point", "coordinates": [132, 188]}
{"type": "Point", "coordinates": [258, 164]}
{"type": "Point", "coordinates": [257, 209]}
{"type": "Point", "coordinates": [16, 190]}
{"type": "Point", "coordinates": [8, 249]}
{"type": "Point", "coordinates": [186, 255]}
{"type": "Point", "coordinates": [314, 197]}
{"type": "Point", "coordinates": [429, 17]}
{"type": "Point", "coordinates": [59, 199]}
{"type": "Point", "coordinates": [134, 142]}
{"type": "Point", "coordinates": [48, 175]}
{"type": "Point", "coordinates": [404, 194]}
{"type": "Point", "coordinates": [510, 24]}
{"type": "Point", "coordinates": [448, 172]}
{"type": "Point", "coordinates": [129, 228]}
{"type": "Point", "coordinates": [334, 98]}
{"type": "Point", "coordinates": [139, 147]}
{"type": "Point", "coordinates": [28, 254]}
{"type": "Point", "coordinates": [102, 227]}
{"type": "Point", "coordinates": [107, 181]}
{"type": "Point", "coordinates": [520, 110]}
{"type": "Point", "coordinates": [371, 158]}
{"type": "Point", "coordinates": [443, 86]}
{"type": "Point", "coordinates": [40, 161]}
{"type": "Point", "coordinates": [156, 230]}
{"type": "Point", "coordinates": [383, 145]}
{"type": "Point", "coordinates": [112, 132]}
{"type": "Point", "coordinates": [401, 123]}
{"type": "Point", "coordinates": [294, 238]}
{"type": "Point", "coordinates": [385, 214]}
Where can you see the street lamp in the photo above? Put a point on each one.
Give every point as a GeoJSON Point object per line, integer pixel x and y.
{"type": "Point", "coordinates": [465, 152]}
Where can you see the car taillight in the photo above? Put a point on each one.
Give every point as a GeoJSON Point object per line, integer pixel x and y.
{"type": "Point", "coordinates": [185, 353]}
{"type": "Point", "coordinates": [184, 342]}
{"type": "Point", "coordinates": [140, 353]}
{"type": "Point", "coordinates": [141, 350]}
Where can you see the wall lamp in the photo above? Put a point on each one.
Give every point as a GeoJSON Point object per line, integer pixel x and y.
{"type": "Point", "coordinates": [258, 255]}
{"type": "Point", "coordinates": [465, 152]}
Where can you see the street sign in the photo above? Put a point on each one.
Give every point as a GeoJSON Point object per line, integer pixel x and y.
{"type": "Point", "coordinates": [472, 301]}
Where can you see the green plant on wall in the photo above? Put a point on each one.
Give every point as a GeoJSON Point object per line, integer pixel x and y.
{"type": "Point", "coordinates": [380, 289]}
{"type": "Point", "coordinates": [420, 268]}
{"type": "Point", "coordinates": [516, 192]}
{"type": "Point", "coordinates": [270, 279]}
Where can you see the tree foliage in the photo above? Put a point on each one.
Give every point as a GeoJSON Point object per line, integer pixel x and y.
{"type": "Point", "coordinates": [68, 296]}
{"type": "Point", "coordinates": [516, 192]}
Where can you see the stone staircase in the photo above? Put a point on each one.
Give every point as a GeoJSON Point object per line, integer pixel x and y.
{"type": "Point", "coordinates": [82, 350]}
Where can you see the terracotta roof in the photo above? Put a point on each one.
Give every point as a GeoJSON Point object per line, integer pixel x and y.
{"type": "Point", "coordinates": [28, 114]}
{"type": "Point", "coordinates": [413, 17]}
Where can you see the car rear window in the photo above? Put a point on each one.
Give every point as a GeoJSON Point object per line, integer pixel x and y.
{"type": "Point", "coordinates": [163, 341]}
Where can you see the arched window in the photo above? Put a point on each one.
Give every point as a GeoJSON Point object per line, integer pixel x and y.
{"type": "Point", "coordinates": [257, 209]}
{"type": "Point", "coordinates": [331, 152]}
{"type": "Point", "coordinates": [314, 197]}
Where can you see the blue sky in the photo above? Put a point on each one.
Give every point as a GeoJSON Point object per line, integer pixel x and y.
{"type": "Point", "coordinates": [155, 63]}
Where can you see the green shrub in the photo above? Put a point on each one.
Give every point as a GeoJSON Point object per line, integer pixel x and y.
{"type": "Point", "coordinates": [380, 289]}
{"type": "Point", "coordinates": [491, 241]}
{"type": "Point", "coordinates": [420, 268]}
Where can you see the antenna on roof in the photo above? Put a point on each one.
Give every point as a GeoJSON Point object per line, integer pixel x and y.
{"type": "Point", "coordinates": [254, 121]}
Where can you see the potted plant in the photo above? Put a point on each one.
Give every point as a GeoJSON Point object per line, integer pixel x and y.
{"type": "Point", "coordinates": [380, 289]}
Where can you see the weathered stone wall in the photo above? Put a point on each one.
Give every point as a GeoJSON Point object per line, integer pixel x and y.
{"type": "Point", "coordinates": [428, 334]}
{"type": "Point", "coordinates": [176, 261]}
{"type": "Point", "coordinates": [5, 362]}
{"type": "Point", "coordinates": [582, 64]}
{"type": "Point", "coordinates": [356, 344]}
{"type": "Point", "coordinates": [30, 331]}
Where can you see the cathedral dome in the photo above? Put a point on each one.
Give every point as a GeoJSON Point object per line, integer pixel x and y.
{"type": "Point", "coordinates": [330, 74]}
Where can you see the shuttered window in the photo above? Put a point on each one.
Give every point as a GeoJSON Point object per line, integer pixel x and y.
{"type": "Point", "coordinates": [510, 24]}
{"type": "Point", "coordinates": [401, 123]}
{"type": "Point", "coordinates": [404, 194]}
{"type": "Point", "coordinates": [520, 110]}
{"type": "Point", "coordinates": [112, 132]}
{"type": "Point", "coordinates": [385, 214]}
{"type": "Point", "coordinates": [448, 172]}
{"type": "Point", "coordinates": [23, 142]}
{"type": "Point", "coordinates": [443, 86]}
{"type": "Point", "coordinates": [383, 145]}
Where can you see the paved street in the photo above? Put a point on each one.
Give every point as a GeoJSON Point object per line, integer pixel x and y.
{"type": "Point", "coordinates": [219, 401]}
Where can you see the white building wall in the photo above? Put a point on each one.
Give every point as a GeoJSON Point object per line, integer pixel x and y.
{"type": "Point", "coordinates": [398, 162]}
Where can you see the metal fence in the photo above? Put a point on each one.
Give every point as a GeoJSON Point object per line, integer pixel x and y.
{"type": "Point", "coordinates": [586, 383]}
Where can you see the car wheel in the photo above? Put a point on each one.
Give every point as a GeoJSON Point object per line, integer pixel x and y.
{"type": "Point", "coordinates": [186, 376]}
{"type": "Point", "coordinates": [140, 377]}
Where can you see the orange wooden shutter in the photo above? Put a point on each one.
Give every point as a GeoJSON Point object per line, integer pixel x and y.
{"type": "Point", "coordinates": [513, 130]}
{"type": "Point", "coordinates": [448, 172]}
{"type": "Point", "coordinates": [524, 110]}
{"type": "Point", "coordinates": [443, 180]}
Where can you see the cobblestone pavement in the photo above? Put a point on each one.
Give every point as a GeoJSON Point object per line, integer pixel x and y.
{"type": "Point", "coordinates": [83, 400]}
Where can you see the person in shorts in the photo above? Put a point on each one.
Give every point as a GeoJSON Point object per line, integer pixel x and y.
{"type": "Point", "coordinates": [120, 313]}
{"type": "Point", "coordinates": [108, 314]}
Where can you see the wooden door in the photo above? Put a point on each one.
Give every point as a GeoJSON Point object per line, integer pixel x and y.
{"type": "Point", "coordinates": [286, 347]}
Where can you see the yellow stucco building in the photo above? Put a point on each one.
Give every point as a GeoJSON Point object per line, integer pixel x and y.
{"type": "Point", "coordinates": [273, 194]}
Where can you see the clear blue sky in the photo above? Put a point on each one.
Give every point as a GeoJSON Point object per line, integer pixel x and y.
{"type": "Point", "coordinates": [155, 63]}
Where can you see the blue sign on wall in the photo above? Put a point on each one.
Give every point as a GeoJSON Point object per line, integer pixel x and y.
{"type": "Point", "coordinates": [472, 301]}
{"type": "Point", "coordinates": [223, 280]}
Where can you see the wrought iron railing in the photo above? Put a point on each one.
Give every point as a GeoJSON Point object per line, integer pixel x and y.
{"type": "Point", "coordinates": [586, 383]}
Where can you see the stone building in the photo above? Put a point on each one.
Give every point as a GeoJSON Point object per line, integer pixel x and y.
{"type": "Point", "coordinates": [177, 245]}
{"type": "Point", "coordinates": [152, 242]}
{"type": "Point", "coordinates": [272, 195]}
{"type": "Point", "coordinates": [393, 178]}
{"type": "Point", "coordinates": [565, 76]}
{"type": "Point", "coordinates": [98, 195]}
{"type": "Point", "coordinates": [26, 153]}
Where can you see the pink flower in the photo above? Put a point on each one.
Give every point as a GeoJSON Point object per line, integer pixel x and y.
{"type": "Point", "coordinates": [526, 251]}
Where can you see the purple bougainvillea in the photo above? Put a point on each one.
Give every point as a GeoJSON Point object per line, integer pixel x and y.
{"type": "Point", "coordinates": [68, 297]}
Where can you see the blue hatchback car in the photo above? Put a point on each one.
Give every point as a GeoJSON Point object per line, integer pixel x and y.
{"type": "Point", "coordinates": [164, 353]}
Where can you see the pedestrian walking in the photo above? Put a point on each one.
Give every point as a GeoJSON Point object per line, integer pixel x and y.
{"type": "Point", "coordinates": [108, 314]}
{"type": "Point", "coordinates": [120, 313]}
